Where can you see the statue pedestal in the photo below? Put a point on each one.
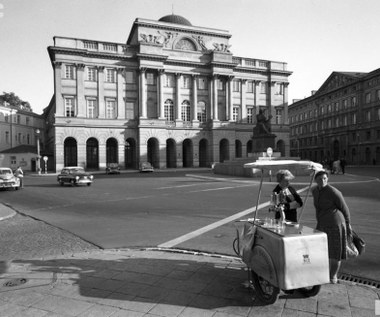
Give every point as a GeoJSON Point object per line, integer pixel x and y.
{"type": "Point", "coordinates": [260, 143]}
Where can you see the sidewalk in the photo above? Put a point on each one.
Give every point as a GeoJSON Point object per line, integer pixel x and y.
{"type": "Point", "coordinates": [158, 283]}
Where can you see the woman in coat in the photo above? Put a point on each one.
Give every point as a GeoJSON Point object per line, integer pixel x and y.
{"type": "Point", "coordinates": [333, 218]}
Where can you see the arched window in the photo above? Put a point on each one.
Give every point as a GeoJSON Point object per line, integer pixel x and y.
{"type": "Point", "coordinates": [169, 110]}
{"type": "Point", "coordinates": [185, 44]}
{"type": "Point", "coordinates": [185, 111]}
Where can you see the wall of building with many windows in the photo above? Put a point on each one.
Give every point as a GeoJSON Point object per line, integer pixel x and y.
{"type": "Point", "coordinates": [173, 95]}
{"type": "Point", "coordinates": [342, 119]}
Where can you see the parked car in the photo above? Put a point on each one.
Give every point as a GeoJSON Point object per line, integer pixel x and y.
{"type": "Point", "coordinates": [74, 175]}
{"type": "Point", "coordinates": [8, 179]}
{"type": "Point", "coordinates": [146, 167]}
{"type": "Point", "coordinates": [113, 168]}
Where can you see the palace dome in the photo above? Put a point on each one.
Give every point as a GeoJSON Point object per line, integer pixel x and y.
{"type": "Point", "coordinates": [176, 19]}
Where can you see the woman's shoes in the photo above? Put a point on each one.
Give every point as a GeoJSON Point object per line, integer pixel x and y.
{"type": "Point", "coordinates": [334, 280]}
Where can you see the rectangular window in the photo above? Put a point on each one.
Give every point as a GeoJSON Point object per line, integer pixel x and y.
{"type": "Point", "coordinates": [378, 94]}
{"type": "Point", "coordinates": [19, 138]}
{"type": "Point", "coordinates": [6, 117]}
{"type": "Point", "coordinates": [368, 116]}
{"type": "Point", "coordinates": [236, 85]}
{"type": "Point", "coordinates": [220, 84]}
{"type": "Point", "coordinates": [250, 114]}
{"type": "Point", "coordinates": [250, 86]}
{"type": "Point", "coordinates": [353, 118]}
{"type": "Point", "coordinates": [236, 113]}
{"type": "Point", "coordinates": [186, 82]}
{"type": "Point", "coordinates": [150, 79]}
{"type": "Point", "coordinates": [110, 75]}
{"type": "Point", "coordinates": [169, 80]}
{"type": "Point", "coordinates": [91, 108]}
{"type": "Point", "coordinates": [129, 110]}
{"type": "Point", "coordinates": [92, 74]}
{"type": "Point", "coordinates": [202, 83]}
{"type": "Point", "coordinates": [185, 112]}
{"type": "Point", "coordinates": [27, 120]}
{"type": "Point", "coordinates": [70, 107]}
{"type": "Point", "coordinates": [7, 137]}
{"type": "Point", "coordinates": [130, 77]}
{"type": "Point", "coordinates": [368, 98]}
{"type": "Point", "coordinates": [353, 101]}
{"type": "Point", "coordinates": [18, 119]}
{"type": "Point", "coordinates": [278, 116]}
{"type": "Point", "coordinates": [110, 108]}
{"type": "Point", "coordinates": [69, 71]}
{"type": "Point", "coordinates": [279, 89]}
{"type": "Point", "coordinates": [263, 87]}
{"type": "Point", "coordinates": [201, 111]}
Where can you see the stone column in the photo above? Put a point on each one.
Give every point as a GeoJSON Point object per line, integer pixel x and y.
{"type": "Point", "coordinates": [215, 97]}
{"type": "Point", "coordinates": [272, 93]}
{"type": "Point", "coordinates": [59, 106]}
{"type": "Point", "coordinates": [286, 103]}
{"type": "Point", "coordinates": [161, 101]}
{"type": "Point", "coordinates": [142, 94]}
{"type": "Point", "coordinates": [178, 96]}
{"type": "Point", "coordinates": [120, 94]}
{"type": "Point", "coordinates": [195, 99]}
{"type": "Point", "coordinates": [81, 101]}
{"type": "Point", "coordinates": [243, 100]}
{"type": "Point", "coordinates": [230, 99]}
{"type": "Point", "coordinates": [257, 97]}
{"type": "Point", "coordinates": [101, 102]}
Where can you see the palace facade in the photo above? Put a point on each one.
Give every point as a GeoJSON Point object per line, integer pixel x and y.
{"type": "Point", "coordinates": [341, 119]}
{"type": "Point", "coordinates": [173, 95]}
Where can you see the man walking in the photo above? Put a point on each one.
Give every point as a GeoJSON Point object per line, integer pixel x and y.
{"type": "Point", "coordinates": [20, 174]}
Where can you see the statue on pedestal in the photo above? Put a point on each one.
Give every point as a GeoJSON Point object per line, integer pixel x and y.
{"type": "Point", "coordinates": [263, 126]}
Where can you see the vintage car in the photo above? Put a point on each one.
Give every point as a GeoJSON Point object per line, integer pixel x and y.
{"type": "Point", "coordinates": [113, 168]}
{"type": "Point", "coordinates": [145, 167]}
{"type": "Point", "coordinates": [74, 175]}
{"type": "Point", "coordinates": [8, 179]}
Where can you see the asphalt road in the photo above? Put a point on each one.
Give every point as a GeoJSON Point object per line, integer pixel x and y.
{"type": "Point", "coordinates": [149, 210]}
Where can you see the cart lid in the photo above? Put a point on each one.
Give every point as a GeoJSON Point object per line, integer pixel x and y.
{"type": "Point", "coordinates": [269, 164]}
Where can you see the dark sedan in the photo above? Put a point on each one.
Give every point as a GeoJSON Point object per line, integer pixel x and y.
{"type": "Point", "coordinates": [74, 175]}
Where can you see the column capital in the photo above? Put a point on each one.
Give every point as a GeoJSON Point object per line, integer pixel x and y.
{"type": "Point", "coordinates": [120, 70]}
{"type": "Point", "coordinates": [285, 84]}
{"type": "Point", "coordinates": [100, 68]}
{"type": "Point", "coordinates": [57, 64]}
{"type": "Point", "coordinates": [80, 66]}
{"type": "Point", "coordinates": [160, 71]}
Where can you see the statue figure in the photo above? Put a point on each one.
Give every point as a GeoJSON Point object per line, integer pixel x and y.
{"type": "Point", "coordinates": [263, 124]}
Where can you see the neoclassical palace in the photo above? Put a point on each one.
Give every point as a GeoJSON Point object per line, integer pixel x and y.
{"type": "Point", "coordinates": [173, 95]}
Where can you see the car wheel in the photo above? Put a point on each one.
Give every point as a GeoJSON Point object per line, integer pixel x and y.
{"type": "Point", "coordinates": [88, 184]}
{"type": "Point", "coordinates": [16, 188]}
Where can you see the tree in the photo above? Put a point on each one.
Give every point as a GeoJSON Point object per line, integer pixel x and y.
{"type": "Point", "coordinates": [15, 101]}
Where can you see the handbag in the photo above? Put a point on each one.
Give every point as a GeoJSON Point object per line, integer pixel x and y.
{"type": "Point", "coordinates": [358, 242]}
{"type": "Point", "coordinates": [351, 250]}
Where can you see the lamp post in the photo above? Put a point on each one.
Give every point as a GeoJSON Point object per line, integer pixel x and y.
{"type": "Point", "coordinates": [38, 151]}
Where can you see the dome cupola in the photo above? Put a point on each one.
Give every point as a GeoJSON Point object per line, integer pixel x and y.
{"type": "Point", "coordinates": [176, 19]}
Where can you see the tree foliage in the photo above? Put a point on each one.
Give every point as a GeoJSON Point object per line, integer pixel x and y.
{"type": "Point", "coordinates": [14, 101]}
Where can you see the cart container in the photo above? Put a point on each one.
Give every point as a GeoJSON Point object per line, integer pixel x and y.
{"type": "Point", "coordinates": [291, 257]}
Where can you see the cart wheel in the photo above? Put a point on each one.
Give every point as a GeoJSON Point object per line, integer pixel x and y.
{"type": "Point", "coordinates": [310, 291]}
{"type": "Point", "coordinates": [235, 246]}
{"type": "Point", "coordinates": [265, 291]}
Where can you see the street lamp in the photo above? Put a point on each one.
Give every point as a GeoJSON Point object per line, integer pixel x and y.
{"type": "Point", "coordinates": [38, 132]}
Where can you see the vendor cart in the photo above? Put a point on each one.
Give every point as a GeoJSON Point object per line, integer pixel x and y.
{"type": "Point", "coordinates": [280, 254]}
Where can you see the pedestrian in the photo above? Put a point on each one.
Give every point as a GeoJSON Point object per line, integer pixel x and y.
{"type": "Point", "coordinates": [343, 164]}
{"type": "Point", "coordinates": [333, 218]}
{"type": "Point", "coordinates": [20, 174]}
{"type": "Point", "coordinates": [291, 200]}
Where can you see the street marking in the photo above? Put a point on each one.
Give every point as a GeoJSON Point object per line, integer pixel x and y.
{"type": "Point", "coordinates": [196, 233]}
{"type": "Point", "coordinates": [220, 188]}
{"type": "Point", "coordinates": [187, 185]}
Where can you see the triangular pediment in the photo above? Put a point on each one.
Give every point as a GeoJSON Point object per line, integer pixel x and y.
{"type": "Point", "coordinates": [339, 79]}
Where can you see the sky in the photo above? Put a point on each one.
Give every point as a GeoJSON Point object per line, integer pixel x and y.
{"type": "Point", "coordinates": [314, 37]}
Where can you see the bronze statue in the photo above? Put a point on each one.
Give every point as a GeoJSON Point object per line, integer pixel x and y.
{"type": "Point", "coordinates": [263, 124]}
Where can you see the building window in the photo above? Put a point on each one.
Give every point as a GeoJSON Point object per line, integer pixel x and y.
{"type": "Point", "coordinates": [220, 84]}
{"type": "Point", "coordinates": [201, 111]}
{"type": "Point", "coordinates": [110, 75]}
{"type": "Point", "coordinates": [353, 101]}
{"type": "Point", "coordinates": [279, 89]}
{"type": "Point", "coordinates": [278, 116]}
{"type": "Point", "coordinates": [110, 108]}
{"type": "Point", "coordinates": [345, 104]}
{"type": "Point", "coordinates": [185, 111]}
{"type": "Point", "coordinates": [378, 113]}
{"type": "Point", "coordinates": [7, 137]}
{"type": "Point", "coordinates": [368, 98]}
{"type": "Point", "coordinates": [202, 83]}
{"type": "Point", "coordinates": [250, 86]}
{"type": "Point", "coordinates": [236, 85]}
{"type": "Point", "coordinates": [368, 135]}
{"type": "Point", "coordinates": [150, 79]}
{"type": "Point", "coordinates": [27, 120]}
{"type": "Point", "coordinates": [378, 94]}
{"type": "Point", "coordinates": [353, 118]}
{"type": "Point", "coordinates": [129, 110]}
{"type": "Point", "coordinates": [169, 110]}
{"type": "Point", "coordinates": [250, 114]}
{"type": "Point", "coordinates": [263, 87]}
{"type": "Point", "coordinates": [69, 106]}
{"type": "Point", "coordinates": [130, 77]}
{"type": "Point", "coordinates": [169, 80]}
{"type": "Point", "coordinates": [18, 119]}
{"type": "Point", "coordinates": [92, 74]}
{"type": "Point", "coordinates": [91, 108]}
{"type": "Point", "coordinates": [28, 139]}
{"type": "Point", "coordinates": [236, 113]}
{"type": "Point", "coordinates": [69, 72]}
{"type": "Point", "coordinates": [186, 81]}
{"type": "Point", "coordinates": [368, 115]}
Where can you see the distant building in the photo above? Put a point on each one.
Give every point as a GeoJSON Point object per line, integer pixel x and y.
{"type": "Point", "coordinates": [18, 140]}
{"type": "Point", "coordinates": [341, 119]}
{"type": "Point", "coordinates": [173, 95]}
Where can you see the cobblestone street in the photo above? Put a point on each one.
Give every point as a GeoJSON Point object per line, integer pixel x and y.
{"type": "Point", "coordinates": [23, 237]}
